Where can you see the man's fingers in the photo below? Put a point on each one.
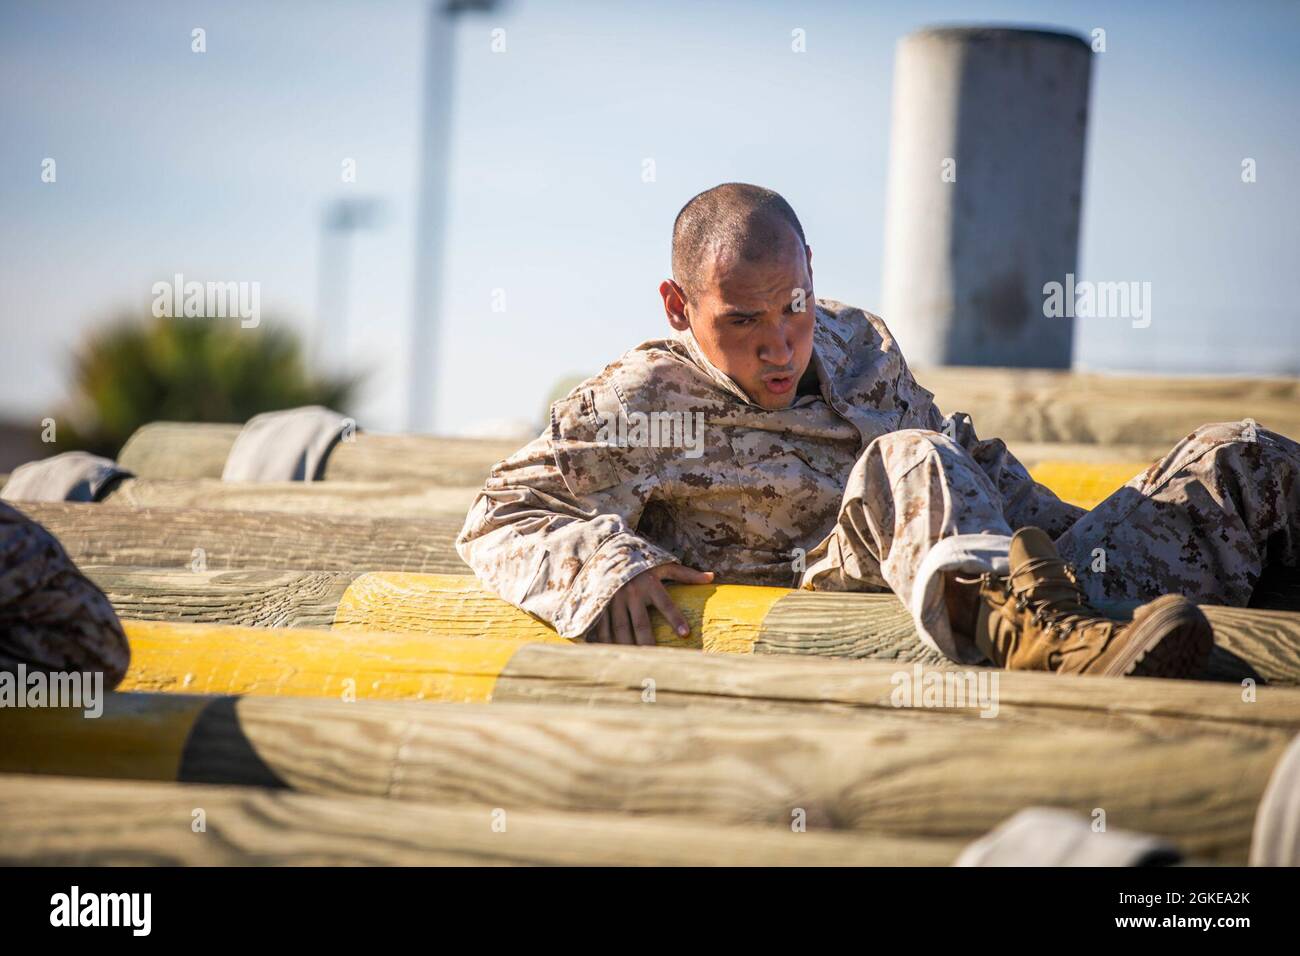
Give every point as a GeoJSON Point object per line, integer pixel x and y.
{"type": "Point", "coordinates": [684, 575]}
{"type": "Point", "coordinates": [669, 610]}
{"type": "Point", "coordinates": [618, 611]}
{"type": "Point", "coordinates": [603, 633]}
{"type": "Point", "coordinates": [645, 633]}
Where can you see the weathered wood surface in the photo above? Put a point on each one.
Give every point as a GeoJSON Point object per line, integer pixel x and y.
{"type": "Point", "coordinates": [351, 498]}
{"type": "Point", "coordinates": [952, 782]}
{"type": "Point", "coordinates": [221, 659]}
{"type": "Point", "coordinates": [181, 450]}
{"type": "Point", "coordinates": [258, 598]}
{"type": "Point", "coordinates": [1251, 643]}
{"type": "Point", "coordinates": [48, 821]}
{"type": "Point", "coordinates": [225, 540]}
{"type": "Point", "coordinates": [1026, 407]}
{"type": "Point", "coordinates": [1040, 405]}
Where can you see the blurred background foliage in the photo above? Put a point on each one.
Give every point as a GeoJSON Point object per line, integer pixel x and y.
{"type": "Point", "coordinates": [130, 372]}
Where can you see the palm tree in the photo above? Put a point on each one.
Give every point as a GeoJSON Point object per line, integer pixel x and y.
{"type": "Point", "coordinates": [130, 373]}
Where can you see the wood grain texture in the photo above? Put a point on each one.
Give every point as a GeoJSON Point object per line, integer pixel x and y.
{"type": "Point", "coordinates": [950, 782]}
{"type": "Point", "coordinates": [602, 675]}
{"type": "Point", "coordinates": [1040, 405]}
{"type": "Point", "coordinates": [78, 822]}
{"type": "Point", "coordinates": [183, 450]}
{"type": "Point", "coordinates": [221, 659]}
{"type": "Point", "coordinates": [352, 498]}
{"type": "Point", "coordinates": [178, 449]}
{"type": "Point", "coordinates": [293, 599]}
{"type": "Point", "coordinates": [440, 461]}
{"type": "Point", "coordinates": [167, 538]}
{"type": "Point", "coordinates": [1251, 643]}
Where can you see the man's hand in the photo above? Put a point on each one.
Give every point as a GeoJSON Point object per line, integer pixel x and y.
{"type": "Point", "coordinates": [626, 619]}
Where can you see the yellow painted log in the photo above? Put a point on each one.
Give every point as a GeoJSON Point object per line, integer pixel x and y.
{"type": "Point", "coordinates": [1086, 484]}
{"type": "Point", "coordinates": [729, 617]}
{"type": "Point", "coordinates": [215, 659]}
{"type": "Point", "coordinates": [296, 662]}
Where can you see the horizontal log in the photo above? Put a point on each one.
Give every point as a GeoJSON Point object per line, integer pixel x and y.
{"type": "Point", "coordinates": [183, 450]}
{"type": "Point", "coordinates": [283, 661]}
{"type": "Point", "coordinates": [222, 540]}
{"type": "Point", "coordinates": [368, 499]}
{"type": "Point", "coordinates": [48, 821]}
{"type": "Point", "coordinates": [1043, 405]}
{"type": "Point", "coordinates": [1259, 644]}
{"type": "Point", "coordinates": [220, 659]}
{"type": "Point", "coordinates": [952, 782]}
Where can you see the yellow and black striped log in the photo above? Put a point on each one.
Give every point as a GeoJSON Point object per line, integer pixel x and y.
{"type": "Point", "coordinates": [220, 659]}
{"type": "Point", "coordinates": [52, 821]}
{"type": "Point", "coordinates": [957, 781]}
{"type": "Point", "coordinates": [1252, 643]}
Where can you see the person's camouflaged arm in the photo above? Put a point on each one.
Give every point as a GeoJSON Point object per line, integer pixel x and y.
{"type": "Point", "coordinates": [553, 530]}
{"type": "Point", "coordinates": [51, 617]}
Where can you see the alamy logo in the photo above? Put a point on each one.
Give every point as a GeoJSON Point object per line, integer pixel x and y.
{"type": "Point", "coordinates": [73, 689]}
{"type": "Point", "coordinates": [208, 300]}
{"type": "Point", "coordinates": [655, 430]}
{"type": "Point", "coordinates": [945, 688]}
{"type": "Point", "coordinates": [1098, 300]}
{"type": "Point", "coordinates": [103, 909]}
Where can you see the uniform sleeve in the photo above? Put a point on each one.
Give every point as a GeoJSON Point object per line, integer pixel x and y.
{"type": "Point", "coordinates": [52, 618]}
{"type": "Point", "coordinates": [553, 530]}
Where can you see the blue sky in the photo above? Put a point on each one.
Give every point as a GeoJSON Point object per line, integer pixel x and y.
{"type": "Point", "coordinates": [217, 165]}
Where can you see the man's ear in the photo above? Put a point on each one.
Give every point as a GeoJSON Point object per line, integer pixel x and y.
{"type": "Point", "coordinates": [674, 305]}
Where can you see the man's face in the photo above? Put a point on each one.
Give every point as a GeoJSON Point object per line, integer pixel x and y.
{"type": "Point", "coordinates": [753, 320]}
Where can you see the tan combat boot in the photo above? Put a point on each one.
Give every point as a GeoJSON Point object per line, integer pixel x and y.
{"type": "Point", "coordinates": [1037, 619]}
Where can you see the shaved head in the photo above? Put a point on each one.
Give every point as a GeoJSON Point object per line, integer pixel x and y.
{"type": "Point", "coordinates": [734, 221]}
{"type": "Point", "coordinates": [742, 288]}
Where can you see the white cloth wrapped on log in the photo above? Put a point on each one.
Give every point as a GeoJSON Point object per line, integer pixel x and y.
{"type": "Point", "coordinates": [70, 476]}
{"type": "Point", "coordinates": [290, 445]}
{"type": "Point", "coordinates": [1044, 836]}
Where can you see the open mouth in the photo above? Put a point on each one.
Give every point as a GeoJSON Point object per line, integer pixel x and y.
{"type": "Point", "coordinates": [779, 384]}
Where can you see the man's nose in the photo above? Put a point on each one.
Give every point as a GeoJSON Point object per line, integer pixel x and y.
{"type": "Point", "coordinates": [775, 349]}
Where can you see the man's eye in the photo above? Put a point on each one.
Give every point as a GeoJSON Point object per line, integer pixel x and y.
{"type": "Point", "coordinates": [743, 320]}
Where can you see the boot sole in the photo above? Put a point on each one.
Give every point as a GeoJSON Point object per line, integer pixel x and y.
{"type": "Point", "coordinates": [1173, 640]}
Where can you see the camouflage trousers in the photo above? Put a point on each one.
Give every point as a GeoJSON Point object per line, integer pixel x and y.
{"type": "Point", "coordinates": [1204, 521]}
{"type": "Point", "coordinates": [51, 617]}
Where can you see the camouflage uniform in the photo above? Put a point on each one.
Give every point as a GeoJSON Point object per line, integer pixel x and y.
{"type": "Point", "coordinates": [51, 617]}
{"type": "Point", "coordinates": [863, 486]}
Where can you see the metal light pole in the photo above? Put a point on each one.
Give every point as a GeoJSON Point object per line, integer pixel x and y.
{"type": "Point", "coordinates": [342, 218]}
{"type": "Point", "coordinates": [429, 227]}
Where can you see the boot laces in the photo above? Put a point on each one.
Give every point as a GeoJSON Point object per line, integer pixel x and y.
{"type": "Point", "coordinates": [1061, 614]}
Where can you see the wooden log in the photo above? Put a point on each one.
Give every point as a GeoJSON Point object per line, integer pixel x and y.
{"type": "Point", "coordinates": [1041, 405]}
{"type": "Point", "coordinates": [1263, 645]}
{"type": "Point", "coordinates": [178, 449]}
{"type": "Point", "coordinates": [218, 659]}
{"type": "Point", "coordinates": [370, 499]}
{"type": "Point", "coordinates": [48, 821]}
{"type": "Point", "coordinates": [218, 540]}
{"type": "Point", "coordinates": [953, 782]}
{"type": "Point", "coordinates": [181, 450]}
{"type": "Point", "coordinates": [1082, 483]}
